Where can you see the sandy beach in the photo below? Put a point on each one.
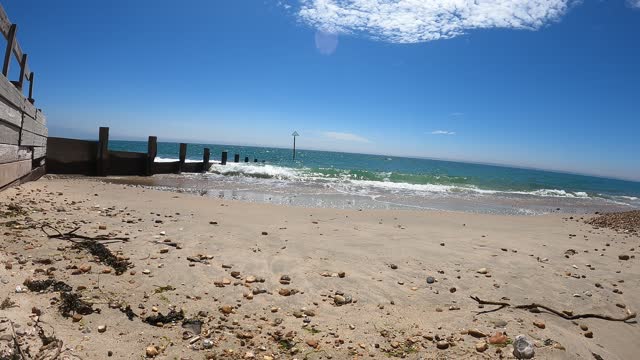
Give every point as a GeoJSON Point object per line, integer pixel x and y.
{"type": "Point", "coordinates": [275, 282]}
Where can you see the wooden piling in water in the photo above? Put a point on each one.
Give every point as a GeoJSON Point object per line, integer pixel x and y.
{"type": "Point", "coordinates": [223, 160]}
{"type": "Point", "coordinates": [205, 160]}
{"type": "Point", "coordinates": [182, 157]}
{"type": "Point", "coordinates": [236, 158]}
{"type": "Point", "coordinates": [102, 161]}
{"type": "Point", "coordinates": [152, 152]}
{"type": "Point", "coordinates": [246, 159]}
{"type": "Point", "coordinates": [255, 159]}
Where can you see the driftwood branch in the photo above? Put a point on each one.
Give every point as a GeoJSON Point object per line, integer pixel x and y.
{"type": "Point", "coordinates": [501, 305]}
{"type": "Point", "coordinates": [72, 236]}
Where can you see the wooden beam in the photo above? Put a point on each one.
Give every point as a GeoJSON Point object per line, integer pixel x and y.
{"type": "Point", "coordinates": [14, 97]}
{"type": "Point", "coordinates": [103, 152]}
{"type": "Point", "coordinates": [23, 64]}
{"type": "Point", "coordinates": [236, 158]}
{"type": "Point", "coordinates": [182, 156]}
{"type": "Point", "coordinates": [10, 114]}
{"type": "Point", "coordinates": [246, 159]}
{"type": "Point", "coordinates": [5, 27]}
{"type": "Point", "coordinates": [30, 139]}
{"type": "Point", "coordinates": [39, 152]}
{"type": "Point", "coordinates": [205, 160]}
{"type": "Point", "coordinates": [9, 134]}
{"type": "Point", "coordinates": [30, 124]}
{"type": "Point", "coordinates": [31, 80]}
{"type": "Point", "coordinates": [152, 152]}
{"type": "Point", "coordinates": [12, 153]}
{"type": "Point", "coordinates": [11, 40]}
{"type": "Point", "coordinates": [13, 171]}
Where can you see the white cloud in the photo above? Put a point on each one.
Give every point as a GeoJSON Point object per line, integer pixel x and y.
{"type": "Point", "coordinates": [443, 132]}
{"type": "Point", "coordinates": [345, 136]}
{"type": "Point", "coordinates": [634, 3]}
{"type": "Point", "coordinates": [412, 21]}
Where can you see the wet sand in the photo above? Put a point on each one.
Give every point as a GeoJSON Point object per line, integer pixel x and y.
{"type": "Point", "coordinates": [386, 257]}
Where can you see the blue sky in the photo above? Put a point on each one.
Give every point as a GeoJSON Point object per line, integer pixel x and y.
{"type": "Point", "coordinates": [550, 84]}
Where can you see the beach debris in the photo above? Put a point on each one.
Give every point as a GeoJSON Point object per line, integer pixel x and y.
{"type": "Point", "coordinates": [623, 257]}
{"type": "Point", "coordinates": [482, 271]}
{"type": "Point", "coordinates": [7, 303]}
{"type": "Point", "coordinates": [194, 326]}
{"type": "Point", "coordinates": [476, 333]}
{"type": "Point", "coordinates": [46, 285]}
{"type": "Point", "coordinates": [430, 279]}
{"type": "Point", "coordinates": [442, 344]}
{"type": "Point", "coordinates": [566, 314]}
{"type": "Point", "coordinates": [523, 348]}
{"type": "Point", "coordinates": [393, 266]}
{"type": "Point", "coordinates": [540, 324]}
{"type": "Point", "coordinates": [160, 319]}
{"type": "Point", "coordinates": [285, 279]}
{"type": "Point", "coordinates": [128, 311]}
{"type": "Point", "coordinates": [71, 303]}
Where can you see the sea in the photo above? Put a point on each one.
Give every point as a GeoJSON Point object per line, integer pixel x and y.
{"type": "Point", "coordinates": [361, 181]}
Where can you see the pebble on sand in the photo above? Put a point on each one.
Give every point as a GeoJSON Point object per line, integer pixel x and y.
{"type": "Point", "coordinates": [482, 346]}
{"type": "Point", "coordinates": [540, 324]}
{"type": "Point", "coordinates": [152, 351]}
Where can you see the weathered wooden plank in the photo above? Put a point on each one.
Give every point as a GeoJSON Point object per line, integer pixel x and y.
{"type": "Point", "coordinates": [9, 134]}
{"type": "Point", "coordinates": [13, 171]}
{"type": "Point", "coordinates": [39, 152]}
{"type": "Point", "coordinates": [102, 157]}
{"type": "Point", "coordinates": [15, 97]}
{"type": "Point", "coordinates": [33, 175]}
{"type": "Point", "coordinates": [30, 139]}
{"type": "Point", "coordinates": [40, 117]}
{"type": "Point", "coordinates": [11, 153]}
{"type": "Point", "coordinates": [31, 125]}
{"type": "Point", "coordinates": [10, 114]}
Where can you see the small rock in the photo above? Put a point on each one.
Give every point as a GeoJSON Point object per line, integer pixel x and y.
{"type": "Point", "coordinates": [430, 279]}
{"type": "Point", "coordinates": [442, 345]}
{"type": "Point", "coordinates": [482, 271]}
{"type": "Point", "coordinates": [152, 351]}
{"type": "Point", "coordinates": [76, 317]}
{"type": "Point", "coordinates": [250, 279]}
{"type": "Point", "coordinates": [226, 309]}
{"type": "Point", "coordinates": [342, 274]}
{"type": "Point", "coordinates": [588, 334]}
{"type": "Point", "coordinates": [481, 346]}
{"type": "Point", "coordinates": [312, 343]}
{"type": "Point", "coordinates": [85, 268]}
{"type": "Point", "coordinates": [498, 338]}
{"type": "Point", "coordinates": [102, 328]}
{"type": "Point", "coordinates": [146, 271]}
{"type": "Point", "coordinates": [476, 333]}
{"type": "Point", "coordinates": [540, 324]}
{"type": "Point", "coordinates": [393, 266]}
{"type": "Point", "coordinates": [523, 348]}
{"type": "Point", "coordinates": [623, 257]}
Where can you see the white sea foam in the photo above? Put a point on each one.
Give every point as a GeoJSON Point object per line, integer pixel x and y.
{"type": "Point", "coordinates": [160, 159]}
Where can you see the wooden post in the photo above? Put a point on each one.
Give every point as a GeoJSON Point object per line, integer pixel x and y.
{"type": "Point", "coordinates": [246, 159]}
{"type": "Point", "coordinates": [152, 152]}
{"type": "Point", "coordinates": [223, 160]}
{"type": "Point", "coordinates": [103, 152]}
{"type": "Point", "coordinates": [31, 79]}
{"type": "Point", "coordinates": [11, 40]}
{"type": "Point", "coordinates": [182, 157]}
{"type": "Point", "coordinates": [236, 158]}
{"type": "Point", "coordinates": [255, 160]}
{"type": "Point", "coordinates": [205, 160]}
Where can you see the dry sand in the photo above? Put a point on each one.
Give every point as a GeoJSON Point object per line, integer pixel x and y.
{"type": "Point", "coordinates": [394, 312]}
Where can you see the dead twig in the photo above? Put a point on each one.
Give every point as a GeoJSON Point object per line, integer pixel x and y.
{"type": "Point", "coordinates": [15, 341]}
{"type": "Point", "coordinates": [71, 235]}
{"type": "Point", "coordinates": [564, 315]}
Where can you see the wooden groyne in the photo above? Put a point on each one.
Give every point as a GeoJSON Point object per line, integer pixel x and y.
{"type": "Point", "coordinates": [23, 130]}
{"type": "Point", "coordinates": [93, 158]}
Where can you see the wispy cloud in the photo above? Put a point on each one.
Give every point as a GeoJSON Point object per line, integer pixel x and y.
{"type": "Point", "coordinates": [442, 132]}
{"type": "Point", "coordinates": [345, 136]}
{"type": "Point", "coordinates": [412, 21]}
{"type": "Point", "coordinates": [634, 3]}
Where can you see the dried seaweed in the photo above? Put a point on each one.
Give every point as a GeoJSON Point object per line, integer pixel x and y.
{"type": "Point", "coordinates": [129, 312]}
{"type": "Point", "coordinates": [72, 303]}
{"type": "Point", "coordinates": [104, 254]}
{"type": "Point", "coordinates": [45, 285]}
{"type": "Point", "coordinates": [172, 316]}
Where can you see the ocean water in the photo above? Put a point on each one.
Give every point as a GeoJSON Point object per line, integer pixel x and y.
{"type": "Point", "coordinates": [346, 180]}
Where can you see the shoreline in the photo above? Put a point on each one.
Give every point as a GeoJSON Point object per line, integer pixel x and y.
{"type": "Point", "coordinates": [386, 257]}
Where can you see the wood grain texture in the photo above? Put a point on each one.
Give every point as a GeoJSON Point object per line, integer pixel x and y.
{"type": "Point", "coordinates": [39, 152]}
{"type": "Point", "coordinates": [11, 172]}
{"type": "Point", "coordinates": [31, 125]}
{"type": "Point", "coordinates": [15, 97]}
{"type": "Point", "coordinates": [12, 153]}
{"type": "Point", "coordinates": [9, 134]}
{"type": "Point", "coordinates": [5, 25]}
{"type": "Point", "coordinates": [10, 114]}
{"type": "Point", "coordinates": [40, 117]}
{"type": "Point", "coordinates": [30, 139]}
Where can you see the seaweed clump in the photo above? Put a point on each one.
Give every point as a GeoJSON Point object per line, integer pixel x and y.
{"type": "Point", "coordinates": [104, 254]}
{"type": "Point", "coordinates": [47, 285]}
{"type": "Point", "coordinates": [172, 316]}
{"type": "Point", "coordinates": [72, 303]}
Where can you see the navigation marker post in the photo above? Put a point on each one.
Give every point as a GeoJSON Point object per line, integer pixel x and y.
{"type": "Point", "coordinates": [295, 134]}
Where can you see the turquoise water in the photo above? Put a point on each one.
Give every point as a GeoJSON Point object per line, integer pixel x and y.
{"type": "Point", "coordinates": [398, 178]}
